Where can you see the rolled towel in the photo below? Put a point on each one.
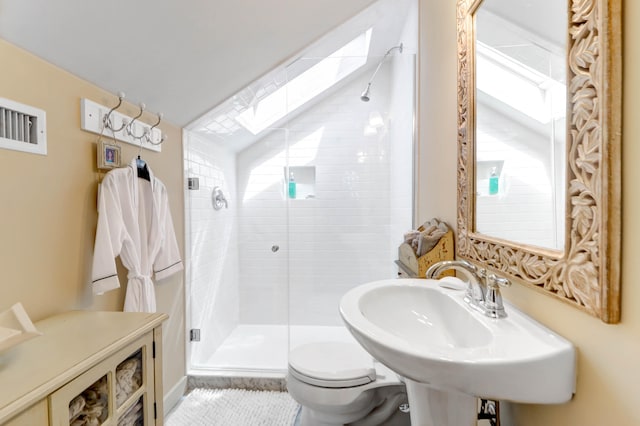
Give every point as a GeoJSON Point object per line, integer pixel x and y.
{"type": "Point", "coordinates": [75, 407]}
{"type": "Point", "coordinates": [431, 233]}
{"type": "Point", "coordinates": [128, 379]}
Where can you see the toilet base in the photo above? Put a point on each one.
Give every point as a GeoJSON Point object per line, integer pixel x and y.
{"type": "Point", "coordinates": [340, 384]}
{"type": "Point", "coordinates": [309, 417]}
{"type": "Point", "coordinates": [385, 413]}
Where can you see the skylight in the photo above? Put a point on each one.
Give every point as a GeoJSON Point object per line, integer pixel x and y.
{"type": "Point", "coordinates": [519, 86]}
{"type": "Point", "coordinates": [307, 85]}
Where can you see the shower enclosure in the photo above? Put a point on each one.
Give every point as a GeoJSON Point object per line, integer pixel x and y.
{"type": "Point", "coordinates": [317, 188]}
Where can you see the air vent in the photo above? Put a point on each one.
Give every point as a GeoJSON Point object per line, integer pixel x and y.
{"type": "Point", "coordinates": [22, 127]}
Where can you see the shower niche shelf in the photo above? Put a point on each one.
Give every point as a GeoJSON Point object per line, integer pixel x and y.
{"type": "Point", "coordinates": [305, 180]}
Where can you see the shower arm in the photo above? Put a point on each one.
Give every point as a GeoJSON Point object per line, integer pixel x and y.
{"type": "Point", "coordinates": [365, 95]}
{"type": "Point", "coordinates": [399, 47]}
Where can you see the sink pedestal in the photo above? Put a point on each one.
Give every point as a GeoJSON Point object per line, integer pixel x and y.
{"type": "Point", "coordinates": [434, 407]}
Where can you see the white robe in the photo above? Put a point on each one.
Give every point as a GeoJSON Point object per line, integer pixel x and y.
{"type": "Point", "coordinates": [134, 223]}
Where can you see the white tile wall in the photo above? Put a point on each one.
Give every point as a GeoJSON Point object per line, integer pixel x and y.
{"type": "Point", "coordinates": [348, 234]}
{"type": "Point", "coordinates": [212, 255]}
{"type": "Point", "coordinates": [337, 240]}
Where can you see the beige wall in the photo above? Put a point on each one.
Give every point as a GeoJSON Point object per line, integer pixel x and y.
{"type": "Point", "coordinates": [436, 181]}
{"type": "Point", "coordinates": [608, 388]}
{"type": "Point", "coordinates": [48, 204]}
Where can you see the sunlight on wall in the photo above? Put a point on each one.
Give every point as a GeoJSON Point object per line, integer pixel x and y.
{"type": "Point", "coordinates": [269, 172]}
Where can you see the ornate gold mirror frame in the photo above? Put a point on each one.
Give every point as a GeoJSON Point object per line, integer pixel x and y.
{"type": "Point", "coordinates": [586, 273]}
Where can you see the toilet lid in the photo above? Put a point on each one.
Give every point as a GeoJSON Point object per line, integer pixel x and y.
{"type": "Point", "coordinates": [332, 364]}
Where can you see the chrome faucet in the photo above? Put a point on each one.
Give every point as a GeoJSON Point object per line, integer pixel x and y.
{"type": "Point", "coordinates": [217, 196]}
{"type": "Point", "coordinates": [475, 275]}
{"type": "Point", "coordinates": [483, 291]}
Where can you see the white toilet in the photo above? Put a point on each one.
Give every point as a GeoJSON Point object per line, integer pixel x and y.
{"type": "Point", "coordinates": [339, 383]}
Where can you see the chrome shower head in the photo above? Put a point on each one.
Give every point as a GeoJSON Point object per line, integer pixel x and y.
{"type": "Point", "coordinates": [365, 95]}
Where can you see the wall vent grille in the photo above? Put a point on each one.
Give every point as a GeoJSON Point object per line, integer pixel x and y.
{"type": "Point", "coordinates": [22, 127]}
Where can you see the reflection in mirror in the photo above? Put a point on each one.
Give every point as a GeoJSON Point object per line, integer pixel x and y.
{"type": "Point", "coordinates": [520, 63]}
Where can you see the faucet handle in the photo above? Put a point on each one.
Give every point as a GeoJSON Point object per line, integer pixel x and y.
{"type": "Point", "coordinates": [494, 281]}
{"type": "Point", "coordinates": [481, 273]}
{"type": "Point", "coordinates": [493, 304]}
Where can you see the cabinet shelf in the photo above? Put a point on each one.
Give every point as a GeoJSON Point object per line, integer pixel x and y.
{"type": "Point", "coordinates": [107, 370]}
{"type": "Point", "coordinates": [84, 348]}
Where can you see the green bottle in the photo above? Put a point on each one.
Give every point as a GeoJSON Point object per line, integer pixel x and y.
{"type": "Point", "coordinates": [493, 182]}
{"type": "Point", "coordinates": [292, 186]}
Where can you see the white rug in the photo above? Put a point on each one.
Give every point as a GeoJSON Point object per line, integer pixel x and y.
{"type": "Point", "coordinates": [234, 407]}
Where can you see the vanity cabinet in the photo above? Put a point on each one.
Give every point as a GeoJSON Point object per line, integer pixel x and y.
{"type": "Point", "coordinates": [88, 368]}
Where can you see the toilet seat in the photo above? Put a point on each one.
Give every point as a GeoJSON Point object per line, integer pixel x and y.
{"type": "Point", "coordinates": [332, 365]}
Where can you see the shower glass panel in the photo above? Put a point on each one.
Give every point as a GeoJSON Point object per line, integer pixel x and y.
{"type": "Point", "coordinates": [357, 158]}
{"type": "Point", "coordinates": [237, 255]}
{"type": "Point", "coordinates": [318, 187]}
{"type": "Point", "coordinates": [262, 335]}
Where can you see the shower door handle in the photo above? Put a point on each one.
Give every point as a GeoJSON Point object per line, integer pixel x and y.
{"type": "Point", "coordinates": [275, 248]}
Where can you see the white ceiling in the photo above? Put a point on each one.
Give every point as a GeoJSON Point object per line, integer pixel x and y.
{"type": "Point", "coordinates": [180, 58]}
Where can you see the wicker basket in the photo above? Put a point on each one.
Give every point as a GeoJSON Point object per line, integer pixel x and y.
{"type": "Point", "coordinates": [419, 265]}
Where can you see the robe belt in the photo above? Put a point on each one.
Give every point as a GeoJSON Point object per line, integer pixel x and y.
{"type": "Point", "coordinates": [141, 295]}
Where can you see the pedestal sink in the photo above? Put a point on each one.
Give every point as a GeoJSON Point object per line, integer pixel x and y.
{"type": "Point", "coordinates": [450, 354]}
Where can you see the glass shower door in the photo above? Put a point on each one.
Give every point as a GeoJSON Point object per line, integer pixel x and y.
{"type": "Point", "coordinates": [318, 197]}
{"type": "Point", "coordinates": [263, 252]}
{"type": "Point", "coordinates": [355, 159]}
{"type": "Point", "coordinates": [237, 254]}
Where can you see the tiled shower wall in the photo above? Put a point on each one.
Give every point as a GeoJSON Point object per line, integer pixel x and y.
{"type": "Point", "coordinates": [212, 254]}
{"type": "Point", "coordinates": [347, 233]}
{"type": "Point", "coordinates": [339, 238]}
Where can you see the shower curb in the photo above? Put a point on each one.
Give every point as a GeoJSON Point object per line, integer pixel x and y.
{"type": "Point", "coordinates": [236, 382]}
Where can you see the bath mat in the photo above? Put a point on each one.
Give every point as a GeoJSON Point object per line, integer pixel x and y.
{"type": "Point", "coordinates": [234, 407]}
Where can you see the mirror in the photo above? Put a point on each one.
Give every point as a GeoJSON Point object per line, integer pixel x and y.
{"type": "Point", "coordinates": [520, 75]}
{"type": "Point", "coordinates": [539, 119]}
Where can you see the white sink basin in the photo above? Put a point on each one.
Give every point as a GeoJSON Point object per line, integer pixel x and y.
{"type": "Point", "coordinates": [428, 334]}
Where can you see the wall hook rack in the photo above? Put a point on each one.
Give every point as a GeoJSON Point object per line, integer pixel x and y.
{"type": "Point", "coordinates": [100, 119]}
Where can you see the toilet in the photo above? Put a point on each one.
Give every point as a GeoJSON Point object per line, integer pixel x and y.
{"type": "Point", "coordinates": [339, 383]}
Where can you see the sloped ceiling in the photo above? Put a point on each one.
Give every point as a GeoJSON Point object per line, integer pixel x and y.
{"type": "Point", "coordinates": [180, 58]}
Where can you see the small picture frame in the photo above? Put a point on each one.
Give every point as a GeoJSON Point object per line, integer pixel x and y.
{"type": "Point", "coordinates": [108, 155]}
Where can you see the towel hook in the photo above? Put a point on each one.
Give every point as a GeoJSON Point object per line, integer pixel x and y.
{"type": "Point", "coordinates": [150, 132]}
{"type": "Point", "coordinates": [130, 124]}
{"type": "Point", "coordinates": [156, 125]}
{"type": "Point", "coordinates": [106, 121]}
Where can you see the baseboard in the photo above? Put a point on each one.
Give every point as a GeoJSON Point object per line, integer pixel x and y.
{"type": "Point", "coordinates": [172, 397]}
